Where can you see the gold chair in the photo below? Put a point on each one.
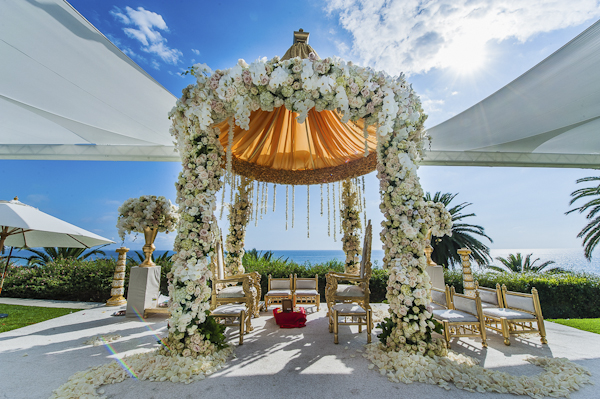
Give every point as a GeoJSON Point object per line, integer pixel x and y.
{"type": "Point", "coordinates": [351, 314]}
{"type": "Point", "coordinates": [306, 291]}
{"type": "Point", "coordinates": [226, 289]}
{"type": "Point", "coordinates": [441, 299]}
{"type": "Point", "coordinates": [351, 293]}
{"type": "Point", "coordinates": [232, 315]}
{"type": "Point", "coordinates": [278, 289]}
{"type": "Point", "coordinates": [490, 297]}
{"type": "Point", "coordinates": [463, 319]}
{"type": "Point", "coordinates": [517, 316]}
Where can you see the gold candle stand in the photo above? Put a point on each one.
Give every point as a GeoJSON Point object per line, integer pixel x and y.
{"type": "Point", "coordinates": [468, 284]}
{"type": "Point", "coordinates": [118, 284]}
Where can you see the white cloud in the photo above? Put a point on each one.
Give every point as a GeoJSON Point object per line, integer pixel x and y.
{"type": "Point", "coordinates": [342, 47]}
{"type": "Point", "coordinates": [414, 36]}
{"type": "Point", "coordinates": [197, 52]}
{"type": "Point", "coordinates": [431, 105]}
{"type": "Point", "coordinates": [146, 27]}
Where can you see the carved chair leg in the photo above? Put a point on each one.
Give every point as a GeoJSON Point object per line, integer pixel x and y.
{"type": "Point", "coordinates": [242, 317]}
{"type": "Point", "coordinates": [335, 327]}
{"type": "Point", "coordinates": [369, 321]}
{"type": "Point", "coordinates": [505, 331]}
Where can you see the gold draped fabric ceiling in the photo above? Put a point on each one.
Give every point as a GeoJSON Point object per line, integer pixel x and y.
{"type": "Point", "coordinates": [278, 149]}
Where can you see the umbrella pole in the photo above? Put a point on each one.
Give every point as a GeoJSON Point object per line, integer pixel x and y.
{"type": "Point", "coordinates": [5, 268]}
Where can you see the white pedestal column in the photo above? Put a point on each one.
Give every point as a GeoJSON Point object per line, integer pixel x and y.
{"type": "Point", "coordinates": [143, 291]}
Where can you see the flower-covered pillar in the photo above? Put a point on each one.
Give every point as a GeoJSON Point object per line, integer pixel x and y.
{"type": "Point", "coordinates": [350, 226]}
{"type": "Point", "coordinates": [407, 220]}
{"type": "Point", "coordinates": [239, 216]}
{"type": "Point", "coordinates": [199, 181]}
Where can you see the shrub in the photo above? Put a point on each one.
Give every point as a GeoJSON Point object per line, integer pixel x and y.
{"type": "Point", "coordinates": [563, 295]}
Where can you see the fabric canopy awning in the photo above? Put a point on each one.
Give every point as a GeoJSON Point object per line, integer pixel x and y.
{"type": "Point", "coordinates": [549, 116]}
{"type": "Point", "coordinates": [68, 93]}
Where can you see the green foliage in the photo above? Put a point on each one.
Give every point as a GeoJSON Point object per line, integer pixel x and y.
{"type": "Point", "coordinates": [21, 316]}
{"type": "Point", "coordinates": [257, 256]}
{"type": "Point", "coordinates": [562, 295]}
{"type": "Point", "coordinates": [517, 264]}
{"type": "Point", "coordinates": [387, 326]}
{"type": "Point", "coordinates": [213, 331]}
{"type": "Point", "coordinates": [591, 232]}
{"type": "Point", "coordinates": [64, 279]}
{"type": "Point", "coordinates": [464, 235]}
{"type": "Point", "coordinates": [49, 254]}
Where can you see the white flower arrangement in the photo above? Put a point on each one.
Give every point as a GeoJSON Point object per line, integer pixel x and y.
{"type": "Point", "coordinates": [143, 366]}
{"type": "Point", "coordinates": [239, 216]}
{"type": "Point", "coordinates": [350, 225]}
{"type": "Point", "coordinates": [146, 211]}
{"type": "Point", "coordinates": [561, 376]}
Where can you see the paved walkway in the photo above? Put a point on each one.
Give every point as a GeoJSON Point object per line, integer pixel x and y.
{"type": "Point", "coordinates": [272, 363]}
{"type": "Point", "coordinates": [50, 303]}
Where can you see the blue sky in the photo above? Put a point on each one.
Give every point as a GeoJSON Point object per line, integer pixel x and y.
{"type": "Point", "coordinates": [451, 62]}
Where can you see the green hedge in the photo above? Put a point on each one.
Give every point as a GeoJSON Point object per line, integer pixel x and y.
{"type": "Point", "coordinates": [568, 295]}
{"type": "Point", "coordinates": [565, 295]}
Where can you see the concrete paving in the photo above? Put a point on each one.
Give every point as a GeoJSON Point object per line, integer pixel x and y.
{"type": "Point", "coordinates": [272, 362]}
{"type": "Point", "coordinates": [50, 303]}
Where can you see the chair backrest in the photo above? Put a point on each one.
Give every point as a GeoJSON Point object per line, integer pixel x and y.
{"type": "Point", "coordinates": [439, 296]}
{"type": "Point", "coordinates": [519, 300]}
{"type": "Point", "coordinates": [220, 262]}
{"type": "Point", "coordinates": [280, 283]}
{"type": "Point", "coordinates": [306, 283]}
{"type": "Point", "coordinates": [490, 295]}
{"type": "Point", "coordinates": [465, 303]}
{"type": "Point", "coordinates": [365, 262]}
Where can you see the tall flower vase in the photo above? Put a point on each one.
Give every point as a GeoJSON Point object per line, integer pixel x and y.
{"type": "Point", "coordinates": [149, 236]}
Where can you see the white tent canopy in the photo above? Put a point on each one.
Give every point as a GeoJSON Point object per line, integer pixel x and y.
{"type": "Point", "coordinates": [549, 116]}
{"type": "Point", "coordinates": [67, 93]}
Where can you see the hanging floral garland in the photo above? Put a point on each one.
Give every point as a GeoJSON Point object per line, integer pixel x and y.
{"type": "Point", "coordinates": [350, 224]}
{"type": "Point", "coordinates": [239, 216]}
{"type": "Point", "coordinates": [300, 85]}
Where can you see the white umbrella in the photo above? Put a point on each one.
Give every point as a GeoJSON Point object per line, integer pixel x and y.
{"type": "Point", "coordinates": [23, 226]}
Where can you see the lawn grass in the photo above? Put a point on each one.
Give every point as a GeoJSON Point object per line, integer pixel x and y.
{"type": "Point", "coordinates": [591, 325]}
{"type": "Point", "coordinates": [21, 316]}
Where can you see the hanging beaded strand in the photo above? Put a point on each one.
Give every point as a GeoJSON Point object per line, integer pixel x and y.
{"type": "Point", "coordinates": [222, 201]}
{"type": "Point", "coordinates": [364, 201]}
{"type": "Point", "coordinates": [293, 204]}
{"type": "Point", "coordinates": [308, 210]}
{"type": "Point", "coordinates": [256, 204]}
{"type": "Point", "coordinates": [340, 206]}
{"type": "Point", "coordinates": [274, 194]}
{"type": "Point", "coordinates": [321, 199]}
{"type": "Point", "coordinates": [334, 214]}
{"type": "Point", "coordinates": [286, 206]}
{"type": "Point", "coordinates": [266, 207]}
{"type": "Point", "coordinates": [328, 214]}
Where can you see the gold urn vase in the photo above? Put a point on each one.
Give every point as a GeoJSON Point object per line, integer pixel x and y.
{"type": "Point", "coordinates": [149, 235]}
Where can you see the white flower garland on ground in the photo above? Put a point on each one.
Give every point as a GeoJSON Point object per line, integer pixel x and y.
{"type": "Point", "coordinates": [144, 366]}
{"type": "Point", "coordinates": [350, 225]}
{"type": "Point", "coordinates": [560, 378]}
{"type": "Point", "coordinates": [239, 216]}
{"type": "Point", "coordinates": [146, 211]}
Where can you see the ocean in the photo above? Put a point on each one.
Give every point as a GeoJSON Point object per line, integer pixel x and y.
{"type": "Point", "coordinates": [570, 259]}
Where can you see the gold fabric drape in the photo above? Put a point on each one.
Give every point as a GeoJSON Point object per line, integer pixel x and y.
{"type": "Point", "coordinates": [278, 149]}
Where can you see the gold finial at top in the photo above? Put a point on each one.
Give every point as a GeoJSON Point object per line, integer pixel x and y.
{"type": "Point", "coordinates": [16, 198]}
{"type": "Point", "coordinates": [301, 36]}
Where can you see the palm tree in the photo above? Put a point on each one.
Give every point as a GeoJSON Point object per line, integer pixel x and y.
{"type": "Point", "coordinates": [50, 254]}
{"type": "Point", "coordinates": [444, 248]}
{"type": "Point", "coordinates": [591, 232]}
{"type": "Point", "coordinates": [516, 264]}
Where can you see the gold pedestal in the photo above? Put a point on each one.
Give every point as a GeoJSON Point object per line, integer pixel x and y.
{"type": "Point", "coordinates": [468, 283]}
{"type": "Point", "coordinates": [118, 284]}
{"type": "Point", "coordinates": [149, 236]}
{"type": "Point", "coordinates": [429, 250]}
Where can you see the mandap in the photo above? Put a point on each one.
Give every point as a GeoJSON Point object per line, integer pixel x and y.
{"type": "Point", "coordinates": [299, 120]}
